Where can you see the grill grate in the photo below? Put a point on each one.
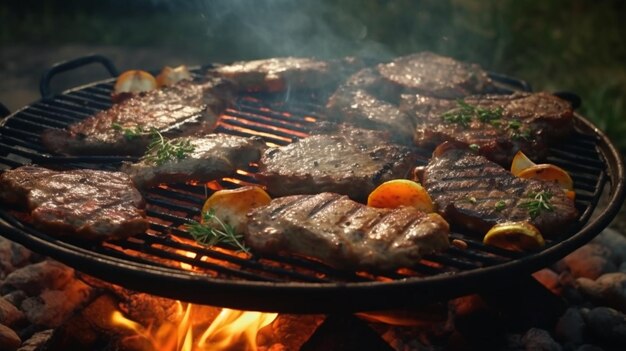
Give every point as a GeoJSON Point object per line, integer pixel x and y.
{"type": "Point", "coordinates": [166, 251]}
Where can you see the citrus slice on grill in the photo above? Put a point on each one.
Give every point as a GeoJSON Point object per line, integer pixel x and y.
{"type": "Point", "coordinates": [520, 163]}
{"type": "Point", "coordinates": [169, 75]}
{"type": "Point", "coordinates": [401, 192]}
{"type": "Point", "coordinates": [134, 81]}
{"type": "Point", "coordinates": [548, 173]}
{"type": "Point", "coordinates": [514, 236]}
{"type": "Point", "coordinates": [232, 205]}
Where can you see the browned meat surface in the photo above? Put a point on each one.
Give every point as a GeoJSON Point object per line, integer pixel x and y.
{"type": "Point", "coordinates": [434, 75]}
{"type": "Point", "coordinates": [474, 193]}
{"type": "Point", "coordinates": [497, 125]}
{"type": "Point", "coordinates": [360, 108]}
{"type": "Point", "coordinates": [214, 156]}
{"type": "Point", "coordinates": [345, 234]}
{"type": "Point", "coordinates": [87, 204]}
{"type": "Point", "coordinates": [348, 160]}
{"type": "Point", "coordinates": [184, 108]}
{"type": "Point", "coordinates": [283, 73]}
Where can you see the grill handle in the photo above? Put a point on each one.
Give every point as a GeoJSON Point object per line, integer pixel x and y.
{"type": "Point", "coordinates": [4, 111]}
{"type": "Point", "coordinates": [511, 81]}
{"type": "Point", "coordinates": [572, 98]}
{"type": "Point", "coordinates": [44, 83]}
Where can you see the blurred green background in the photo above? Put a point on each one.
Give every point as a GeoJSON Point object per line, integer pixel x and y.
{"type": "Point", "coordinates": [562, 45]}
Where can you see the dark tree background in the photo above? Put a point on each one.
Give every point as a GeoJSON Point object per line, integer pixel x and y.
{"type": "Point", "coordinates": [571, 45]}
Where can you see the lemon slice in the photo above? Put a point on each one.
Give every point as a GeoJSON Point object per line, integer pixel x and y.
{"type": "Point", "coordinates": [548, 173]}
{"type": "Point", "coordinates": [169, 75]}
{"type": "Point", "coordinates": [514, 236]}
{"type": "Point", "coordinates": [232, 205]}
{"type": "Point", "coordinates": [134, 81]}
{"type": "Point", "coordinates": [401, 192]}
{"type": "Point", "coordinates": [520, 162]}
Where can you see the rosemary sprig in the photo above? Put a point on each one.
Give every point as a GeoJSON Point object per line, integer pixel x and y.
{"type": "Point", "coordinates": [464, 113]}
{"type": "Point", "coordinates": [162, 150]}
{"type": "Point", "coordinates": [500, 205]}
{"type": "Point", "coordinates": [517, 132]}
{"type": "Point", "coordinates": [538, 203]}
{"type": "Point", "coordinates": [129, 133]}
{"type": "Point", "coordinates": [213, 231]}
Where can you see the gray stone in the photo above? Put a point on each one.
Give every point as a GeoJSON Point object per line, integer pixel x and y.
{"type": "Point", "coordinates": [53, 307]}
{"type": "Point", "coordinates": [608, 290]}
{"type": "Point", "coordinates": [589, 261]}
{"type": "Point", "coordinates": [12, 256]}
{"type": "Point", "coordinates": [36, 341]}
{"type": "Point", "coordinates": [539, 340]}
{"type": "Point", "coordinates": [550, 279]}
{"type": "Point", "coordinates": [34, 278]}
{"type": "Point", "coordinates": [9, 314]}
{"type": "Point", "coordinates": [15, 297]}
{"type": "Point", "coordinates": [9, 340]}
{"type": "Point", "coordinates": [615, 242]}
{"type": "Point", "coordinates": [571, 328]}
{"type": "Point", "coordinates": [607, 324]}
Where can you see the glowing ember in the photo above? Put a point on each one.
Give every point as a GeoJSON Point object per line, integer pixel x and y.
{"type": "Point", "coordinates": [231, 330]}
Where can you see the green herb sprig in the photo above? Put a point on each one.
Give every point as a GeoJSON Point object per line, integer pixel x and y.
{"type": "Point", "coordinates": [517, 132]}
{"type": "Point", "coordinates": [162, 150]}
{"type": "Point", "coordinates": [538, 203]}
{"type": "Point", "coordinates": [129, 133]}
{"type": "Point", "coordinates": [500, 205]}
{"type": "Point", "coordinates": [464, 113]}
{"type": "Point", "coordinates": [213, 231]}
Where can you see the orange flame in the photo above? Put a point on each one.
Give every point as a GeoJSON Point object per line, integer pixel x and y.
{"type": "Point", "coordinates": [231, 330]}
{"type": "Point", "coordinates": [235, 330]}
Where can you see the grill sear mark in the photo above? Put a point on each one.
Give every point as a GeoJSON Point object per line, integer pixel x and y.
{"type": "Point", "coordinates": [345, 234]}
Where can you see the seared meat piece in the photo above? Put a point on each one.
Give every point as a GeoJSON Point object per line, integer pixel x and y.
{"type": "Point", "coordinates": [348, 160]}
{"type": "Point", "coordinates": [344, 233]}
{"type": "Point", "coordinates": [283, 73]}
{"type": "Point", "coordinates": [474, 193]}
{"type": "Point", "coordinates": [430, 74]}
{"type": "Point", "coordinates": [360, 108]}
{"type": "Point", "coordinates": [84, 203]}
{"type": "Point", "coordinates": [497, 125]}
{"type": "Point", "coordinates": [214, 156]}
{"type": "Point", "coordinates": [184, 108]}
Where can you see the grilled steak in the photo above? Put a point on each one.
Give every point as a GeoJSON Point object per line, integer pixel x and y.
{"type": "Point", "coordinates": [87, 204]}
{"type": "Point", "coordinates": [430, 74]}
{"type": "Point", "coordinates": [360, 108]}
{"type": "Point", "coordinates": [474, 193]}
{"type": "Point", "coordinates": [213, 156]}
{"type": "Point", "coordinates": [283, 73]}
{"type": "Point", "coordinates": [347, 160]}
{"type": "Point", "coordinates": [497, 125]}
{"type": "Point", "coordinates": [344, 233]}
{"type": "Point", "coordinates": [184, 108]}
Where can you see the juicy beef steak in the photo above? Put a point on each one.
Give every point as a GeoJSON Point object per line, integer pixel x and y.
{"type": "Point", "coordinates": [283, 73]}
{"type": "Point", "coordinates": [433, 75]}
{"type": "Point", "coordinates": [88, 204]}
{"type": "Point", "coordinates": [360, 108]}
{"type": "Point", "coordinates": [344, 160]}
{"type": "Point", "coordinates": [497, 125]}
{"type": "Point", "coordinates": [474, 193]}
{"type": "Point", "coordinates": [369, 98]}
{"type": "Point", "coordinates": [184, 108]}
{"type": "Point", "coordinates": [344, 233]}
{"type": "Point", "coordinates": [212, 157]}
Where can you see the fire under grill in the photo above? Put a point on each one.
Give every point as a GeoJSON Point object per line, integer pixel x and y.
{"type": "Point", "coordinates": [165, 260]}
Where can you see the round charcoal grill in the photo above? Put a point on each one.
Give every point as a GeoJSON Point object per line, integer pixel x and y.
{"type": "Point", "coordinates": [165, 261]}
